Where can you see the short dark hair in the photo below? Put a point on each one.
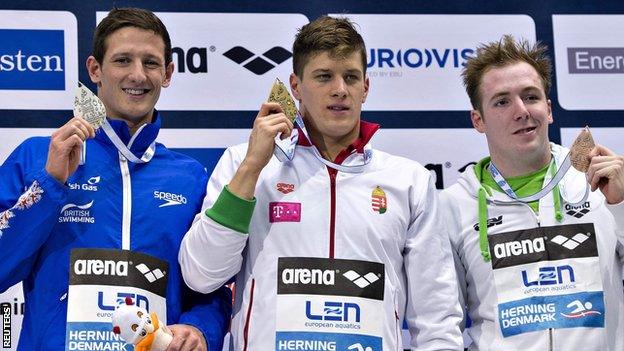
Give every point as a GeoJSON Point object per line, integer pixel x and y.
{"type": "Point", "coordinates": [119, 18]}
{"type": "Point", "coordinates": [501, 53]}
{"type": "Point", "coordinates": [335, 35]}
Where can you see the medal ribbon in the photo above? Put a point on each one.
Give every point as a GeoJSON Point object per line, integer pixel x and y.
{"type": "Point", "coordinates": [123, 149]}
{"type": "Point", "coordinates": [561, 172]}
{"type": "Point", "coordinates": [285, 150]}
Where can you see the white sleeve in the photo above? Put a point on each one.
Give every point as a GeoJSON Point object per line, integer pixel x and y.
{"type": "Point", "coordinates": [451, 219]}
{"type": "Point", "coordinates": [433, 312]}
{"type": "Point", "coordinates": [617, 211]}
{"type": "Point", "coordinates": [211, 253]}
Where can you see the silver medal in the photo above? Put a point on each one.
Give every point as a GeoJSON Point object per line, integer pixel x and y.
{"type": "Point", "coordinates": [89, 107]}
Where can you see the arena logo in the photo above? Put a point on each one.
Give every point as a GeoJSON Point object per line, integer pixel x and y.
{"type": "Point", "coordinates": [258, 64]}
{"type": "Point", "coordinates": [308, 276]}
{"type": "Point", "coordinates": [32, 59]}
{"type": "Point", "coordinates": [520, 247]}
{"type": "Point", "coordinates": [578, 211]}
{"type": "Point", "coordinates": [193, 59]}
{"type": "Point", "coordinates": [418, 57]}
{"type": "Point", "coordinates": [101, 267]}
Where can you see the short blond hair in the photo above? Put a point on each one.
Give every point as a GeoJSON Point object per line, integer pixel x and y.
{"type": "Point", "coordinates": [498, 54]}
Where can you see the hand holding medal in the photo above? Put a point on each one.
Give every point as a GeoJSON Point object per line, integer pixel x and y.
{"type": "Point", "coordinates": [604, 169]}
{"type": "Point", "coordinates": [67, 143]}
{"type": "Point", "coordinates": [284, 148]}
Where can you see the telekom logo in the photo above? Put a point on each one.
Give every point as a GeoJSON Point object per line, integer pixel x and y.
{"type": "Point", "coordinates": [284, 212]}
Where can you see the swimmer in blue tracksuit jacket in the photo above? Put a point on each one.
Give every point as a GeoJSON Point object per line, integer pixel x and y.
{"type": "Point", "coordinates": [142, 202]}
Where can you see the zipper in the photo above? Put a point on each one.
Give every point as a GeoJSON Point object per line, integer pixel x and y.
{"type": "Point", "coordinates": [248, 318]}
{"type": "Point", "coordinates": [399, 340]}
{"type": "Point", "coordinates": [332, 213]}
{"type": "Point", "coordinates": [551, 341]}
{"type": "Point", "coordinates": [126, 202]}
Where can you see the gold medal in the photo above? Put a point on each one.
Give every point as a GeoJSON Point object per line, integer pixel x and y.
{"type": "Point", "coordinates": [279, 93]}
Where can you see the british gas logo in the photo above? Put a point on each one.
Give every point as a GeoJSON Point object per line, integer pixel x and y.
{"type": "Point", "coordinates": [32, 59]}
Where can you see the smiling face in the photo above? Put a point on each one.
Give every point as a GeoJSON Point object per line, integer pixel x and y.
{"type": "Point", "coordinates": [514, 116]}
{"type": "Point", "coordinates": [331, 92]}
{"type": "Point", "coordinates": [131, 74]}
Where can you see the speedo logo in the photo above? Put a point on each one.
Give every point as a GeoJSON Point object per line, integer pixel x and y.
{"type": "Point", "coordinates": [520, 247]}
{"type": "Point", "coordinates": [169, 198]}
{"type": "Point", "coordinates": [101, 267]}
{"type": "Point", "coordinates": [307, 276]}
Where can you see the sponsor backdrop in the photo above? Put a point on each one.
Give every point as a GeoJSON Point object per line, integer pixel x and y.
{"type": "Point", "coordinates": [227, 55]}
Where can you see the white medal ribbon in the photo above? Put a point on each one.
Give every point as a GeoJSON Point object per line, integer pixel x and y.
{"type": "Point", "coordinates": [123, 149]}
{"type": "Point", "coordinates": [561, 172]}
{"type": "Point", "coordinates": [285, 150]}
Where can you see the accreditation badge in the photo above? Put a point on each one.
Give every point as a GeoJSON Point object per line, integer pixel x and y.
{"type": "Point", "coordinates": [547, 277]}
{"type": "Point", "coordinates": [329, 304]}
{"type": "Point", "coordinates": [100, 280]}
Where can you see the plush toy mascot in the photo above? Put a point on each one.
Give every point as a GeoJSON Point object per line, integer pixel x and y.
{"type": "Point", "coordinates": [135, 326]}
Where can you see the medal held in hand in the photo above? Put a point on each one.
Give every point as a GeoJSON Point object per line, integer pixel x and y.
{"type": "Point", "coordinates": [284, 149]}
{"type": "Point", "coordinates": [90, 108]}
{"type": "Point", "coordinates": [279, 93]}
{"type": "Point", "coordinates": [579, 151]}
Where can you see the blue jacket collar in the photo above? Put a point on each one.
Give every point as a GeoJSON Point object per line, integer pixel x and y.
{"type": "Point", "coordinates": [142, 140]}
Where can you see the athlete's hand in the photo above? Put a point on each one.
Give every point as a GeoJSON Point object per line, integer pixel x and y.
{"type": "Point", "coordinates": [606, 172]}
{"type": "Point", "coordinates": [65, 148]}
{"type": "Point", "coordinates": [186, 338]}
{"type": "Point", "coordinates": [270, 121]}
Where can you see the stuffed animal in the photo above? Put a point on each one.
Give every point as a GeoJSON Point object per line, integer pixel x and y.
{"type": "Point", "coordinates": [135, 326]}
